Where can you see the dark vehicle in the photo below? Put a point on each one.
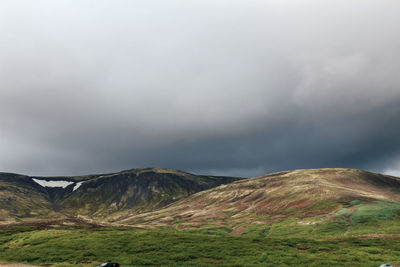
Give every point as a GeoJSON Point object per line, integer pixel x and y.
{"type": "Point", "coordinates": [109, 264]}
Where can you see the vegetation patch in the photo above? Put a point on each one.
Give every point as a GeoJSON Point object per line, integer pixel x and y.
{"type": "Point", "coordinates": [135, 247]}
{"type": "Point", "coordinates": [360, 212]}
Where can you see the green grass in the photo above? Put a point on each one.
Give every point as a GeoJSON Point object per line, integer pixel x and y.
{"type": "Point", "coordinates": [360, 234]}
{"type": "Point", "coordinates": [360, 213]}
{"type": "Point", "coordinates": [133, 247]}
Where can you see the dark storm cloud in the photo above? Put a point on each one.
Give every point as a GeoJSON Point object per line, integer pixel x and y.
{"type": "Point", "coordinates": [223, 87]}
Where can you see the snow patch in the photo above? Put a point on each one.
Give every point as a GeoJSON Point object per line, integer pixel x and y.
{"type": "Point", "coordinates": [45, 183]}
{"type": "Point", "coordinates": [78, 184]}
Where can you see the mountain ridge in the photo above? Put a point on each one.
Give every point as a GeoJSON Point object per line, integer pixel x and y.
{"type": "Point", "coordinates": [98, 195]}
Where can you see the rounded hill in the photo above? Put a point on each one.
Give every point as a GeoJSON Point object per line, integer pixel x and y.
{"type": "Point", "coordinates": [290, 194]}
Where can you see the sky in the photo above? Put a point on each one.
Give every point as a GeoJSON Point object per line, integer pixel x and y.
{"type": "Point", "coordinates": [222, 87]}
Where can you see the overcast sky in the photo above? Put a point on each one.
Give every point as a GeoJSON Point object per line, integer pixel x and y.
{"type": "Point", "coordinates": [221, 87]}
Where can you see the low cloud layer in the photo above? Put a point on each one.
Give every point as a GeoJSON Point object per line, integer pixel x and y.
{"type": "Point", "coordinates": [215, 87]}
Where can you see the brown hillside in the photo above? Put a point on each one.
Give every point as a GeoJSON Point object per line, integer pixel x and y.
{"type": "Point", "coordinates": [299, 193]}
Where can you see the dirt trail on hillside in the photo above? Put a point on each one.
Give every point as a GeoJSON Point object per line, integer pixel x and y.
{"type": "Point", "coordinates": [4, 264]}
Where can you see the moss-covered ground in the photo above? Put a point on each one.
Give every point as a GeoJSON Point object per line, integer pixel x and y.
{"type": "Point", "coordinates": [62, 246]}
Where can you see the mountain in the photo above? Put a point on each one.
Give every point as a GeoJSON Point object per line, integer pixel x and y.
{"type": "Point", "coordinates": [103, 196]}
{"type": "Point", "coordinates": [21, 197]}
{"type": "Point", "coordinates": [278, 203]}
{"type": "Point", "coordinates": [306, 196]}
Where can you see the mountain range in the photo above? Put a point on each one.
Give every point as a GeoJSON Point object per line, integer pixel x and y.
{"type": "Point", "coordinates": [153, 198]}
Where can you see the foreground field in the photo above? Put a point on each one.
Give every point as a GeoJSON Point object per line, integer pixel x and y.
{"type": "Point", "coordinates": [89, 246]}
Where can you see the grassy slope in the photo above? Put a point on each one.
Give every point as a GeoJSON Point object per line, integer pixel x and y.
{"type": "Point", "coordinates": [130, 247]}
{"type": "Point", "coordinates": [20, 197]}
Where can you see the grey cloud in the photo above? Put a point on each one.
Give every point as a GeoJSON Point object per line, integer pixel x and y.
{"type": "Point", "coordinates": [227, 87]}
